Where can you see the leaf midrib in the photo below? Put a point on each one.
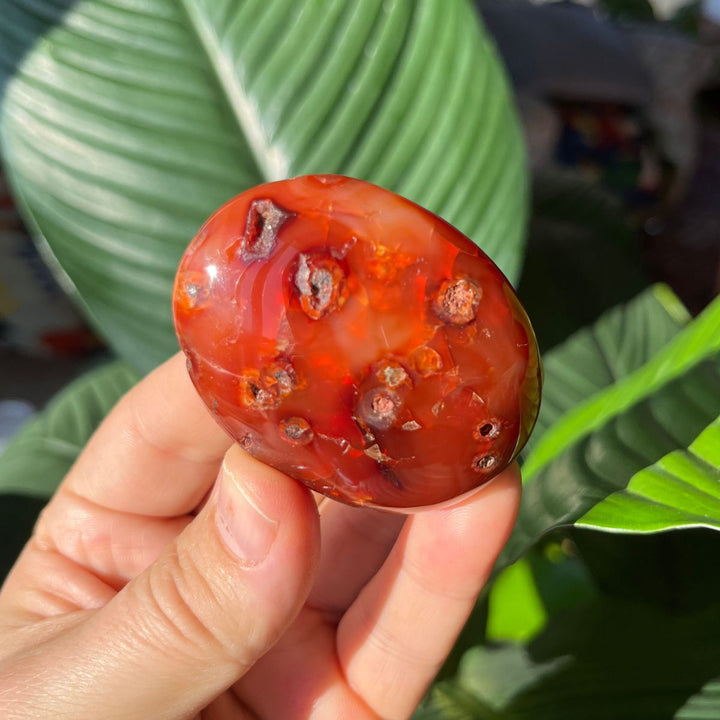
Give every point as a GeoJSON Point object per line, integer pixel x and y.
{"type": "Point", "coordinates": [270, 162]}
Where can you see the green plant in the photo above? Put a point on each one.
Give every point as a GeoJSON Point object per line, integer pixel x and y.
{"type": "Point", "coordinates": [124, 125]}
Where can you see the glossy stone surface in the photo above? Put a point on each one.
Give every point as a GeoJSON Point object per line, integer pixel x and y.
{"type": "Point", "coordinates": [357, 342]}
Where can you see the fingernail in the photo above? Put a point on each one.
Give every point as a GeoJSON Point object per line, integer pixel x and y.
{"type": "Point", "coordinates": [247, 531]}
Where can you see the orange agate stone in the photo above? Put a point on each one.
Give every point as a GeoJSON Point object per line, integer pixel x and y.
{"type": "Point", "coordinates": [357, 342]}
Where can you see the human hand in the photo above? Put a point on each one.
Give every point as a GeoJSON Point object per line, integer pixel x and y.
{"type": "Point", "coordinates": [174, 576]}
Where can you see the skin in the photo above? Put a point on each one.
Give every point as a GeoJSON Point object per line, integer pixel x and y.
{"type": "Point", "coordinates": [174, 576]}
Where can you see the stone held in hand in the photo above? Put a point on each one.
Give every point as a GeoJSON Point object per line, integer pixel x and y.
{"type": "Point", "coordinates": [357, 342]}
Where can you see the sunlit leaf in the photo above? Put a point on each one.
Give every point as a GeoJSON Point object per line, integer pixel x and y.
{"type": "Point", "coordinates": [682, 489]}
{"type": "Point", "coordinates": [515, 611]}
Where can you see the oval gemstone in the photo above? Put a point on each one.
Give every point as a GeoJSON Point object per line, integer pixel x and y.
{"type": "Point", "coordinates": [357, 342]}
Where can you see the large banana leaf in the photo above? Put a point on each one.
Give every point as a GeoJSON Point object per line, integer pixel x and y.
{"type": "Point", "coordinates": [124, 124]}
{"type": "Point", "coordinates": [595, 448]}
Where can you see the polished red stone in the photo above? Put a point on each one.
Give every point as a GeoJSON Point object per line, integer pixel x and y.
{"type": "Point", "coordinates": [357, 342]}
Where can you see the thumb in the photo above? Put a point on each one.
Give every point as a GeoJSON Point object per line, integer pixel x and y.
{"type": "Point", "coordinates": [210, 606]}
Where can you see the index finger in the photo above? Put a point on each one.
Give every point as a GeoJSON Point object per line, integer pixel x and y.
{"type": "Point", "coordinates": [157, 453]}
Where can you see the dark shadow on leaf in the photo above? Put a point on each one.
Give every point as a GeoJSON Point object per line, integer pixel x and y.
{"type": "Point", "coordinates": [669, 570]}
{"type": "Point", "coordinates": [628, 660]}
{"type": "Point", "coordinates": [583, 256]}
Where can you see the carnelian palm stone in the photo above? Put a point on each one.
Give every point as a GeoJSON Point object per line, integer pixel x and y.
{"type": "Point", "coordinates": [357, 342]}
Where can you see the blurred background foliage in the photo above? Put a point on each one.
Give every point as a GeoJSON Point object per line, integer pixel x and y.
{"type": "Point", "coordinates": [577, 144]}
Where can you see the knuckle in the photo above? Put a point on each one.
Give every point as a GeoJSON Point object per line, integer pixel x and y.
{"type": "Point", "coordinates": [190, 613]}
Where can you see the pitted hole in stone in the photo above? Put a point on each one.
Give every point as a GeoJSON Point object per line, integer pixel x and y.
{"type": "Point", "coordinates": [284, 381]}
{"type": "Point", "coordinates": [296, 431]}
{"type": "Point", "coordinates": [483, 463]}
{"type": "Point", "coordinates": [426, 361]}
{"type": "Point", "coordinates": [264, 220]}
{"type": "Point", "coordinates": [265, 389]}
{"type": "Point", "coordinates": [457, 300]}
{"type": "Point", "coordinates": [254, 394]}
{"type": "Point", "coordinates": [383, 404]}
{"type": "Point", "coordinates": [280, 377]}
{"type": "Point", "coordinates": [193, 291]}
{"type": "Point", "coordinates": [321, 283]}
{"type": "Point", "coordinates": [486, 430]}
{"type": "Point", "coordinates": [378, 407]}
{"type": "Point", "coordinates": [263, 399]}
{"type": "Point", "coordinates": [393, 375]}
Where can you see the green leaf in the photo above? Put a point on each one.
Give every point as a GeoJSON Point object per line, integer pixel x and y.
{"type": "Point", "coordinates": [620, 342]}
{"type": "Point", "coordinates": [125, 124]}
{"type": "Point", "coordinates": [704, 705]}
{"type": "Point", "coordinates": [497, 674]}
{"type": "Point", "coordinates": [605, 659]}
{"type": "Point", "coordinates": [668, 570]}
{"type": "Point", "coordinates": [515, 612]}
{"type": "Point", "coordinates": [580, 237]}
{"type": "Point", "coordinates": [38, 458]}
{"type": "Point", "coordinates": [682, 489]}
{"type": "Point", "coordinates": [596, 447]}
{"type": "Point", "coordinates": [548, 579]}
{"type": "Point", "coordinates": [699, 341]}
{"type": "Point", "coordinates": [450, 702]}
